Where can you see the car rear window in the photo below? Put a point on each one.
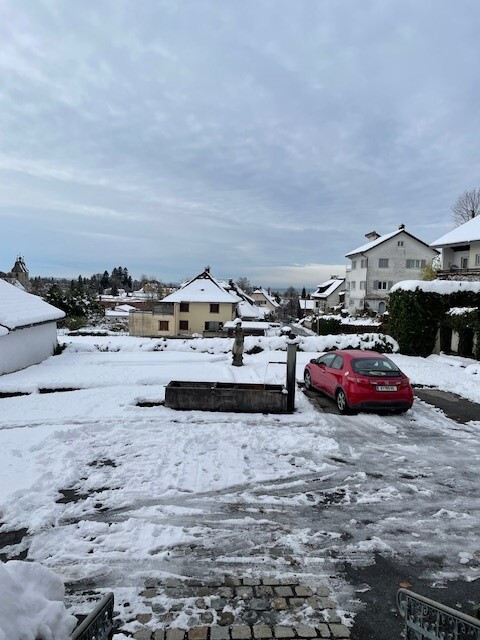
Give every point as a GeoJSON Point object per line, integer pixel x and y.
{"type": "Point", "coordinates": [375, 367]}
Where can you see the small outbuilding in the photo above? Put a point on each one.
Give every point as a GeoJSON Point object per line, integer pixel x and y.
{"type": "Point", "coordinates": [28, 328]}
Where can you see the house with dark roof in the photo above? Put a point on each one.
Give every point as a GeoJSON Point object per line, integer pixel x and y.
{"type": "Point", "coordinates": [379, 264]}
{"type": "Point", "coordinates": [28, 328]}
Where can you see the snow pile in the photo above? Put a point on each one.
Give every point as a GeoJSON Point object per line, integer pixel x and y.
{"type": "Point", "coordinates": [31, 603]}
{"type": "Point", "coordinates": [461, 311]}
{"type": "Point", "coordinates": [365, 341]}
{"type": "Point", "coordinates": [443, 287]}
{"type": "Point", "coordinates": [18, 308]}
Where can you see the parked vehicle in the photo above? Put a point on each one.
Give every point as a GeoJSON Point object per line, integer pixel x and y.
{"type": "Point", "coordinates": [360, 380]}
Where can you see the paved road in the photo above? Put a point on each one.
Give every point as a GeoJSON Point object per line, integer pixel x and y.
{"type": "Point", "coordinates": [377, 584]}
{"type": "Point", "coordinates": [453, 406]}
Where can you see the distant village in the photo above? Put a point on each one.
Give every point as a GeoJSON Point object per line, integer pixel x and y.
{"type": "Point", "coordinates": [208, 306]}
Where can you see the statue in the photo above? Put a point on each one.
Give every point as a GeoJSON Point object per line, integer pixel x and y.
{"type": "Point", "coordinates": [237, 348]}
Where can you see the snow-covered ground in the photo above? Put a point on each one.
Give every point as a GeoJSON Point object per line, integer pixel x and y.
{"type": "Point", "coordinates": [157, 491]}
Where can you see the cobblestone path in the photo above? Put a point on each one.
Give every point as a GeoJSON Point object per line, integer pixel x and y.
{"type": "Point", "coordinates": [233, 608]}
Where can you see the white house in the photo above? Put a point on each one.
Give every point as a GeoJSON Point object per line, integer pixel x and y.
{"type": "Point", "coordinates": [380, 263]}
{"type": "Point", "coordinates": [329, 294]}
{"type": "Point", "coordinates": [264, 299]}
{"type": "Point", "coordinates": [28, 328]}
{"type": "Point", "coordinates": [461, 250]}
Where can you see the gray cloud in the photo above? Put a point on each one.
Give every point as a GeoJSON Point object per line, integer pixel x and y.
{"type": "Point", "coordinates": [251, 136]}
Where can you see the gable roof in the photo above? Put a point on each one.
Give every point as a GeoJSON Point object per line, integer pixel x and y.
{"type": "Point", "coordinates": [267, 296]}
{"type": "Point", "coordinates": [328, 287]}
{"type": "Point", "coordinates": [21, 309]}
{"type": "Point", "coordinates": [465, 233]}
{"type": "Point", "coordinates": [370, 245]}
{"type": "Point", "coordinates": [202, 288]}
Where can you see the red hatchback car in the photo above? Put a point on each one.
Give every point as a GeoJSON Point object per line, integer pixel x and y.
{"type": "Point", "coordinates": [360, 380]}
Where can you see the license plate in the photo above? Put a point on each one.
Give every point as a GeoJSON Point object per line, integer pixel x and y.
{"type": "Point", "coordinates": [386, 388]}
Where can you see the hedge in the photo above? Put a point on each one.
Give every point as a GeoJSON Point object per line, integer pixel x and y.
{"type": "Point", "coordinates": [415, 317]}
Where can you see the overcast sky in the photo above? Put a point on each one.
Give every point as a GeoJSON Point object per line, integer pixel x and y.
{"type": "Point", "coordinates": [261, 137]}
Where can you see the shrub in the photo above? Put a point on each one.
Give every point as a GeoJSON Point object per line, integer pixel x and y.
{"type": "Point", "coordinates": [328, 326]}
{"type": "Point", "coordinates": [415, 316]}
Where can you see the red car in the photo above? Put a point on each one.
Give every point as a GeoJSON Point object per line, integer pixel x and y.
{"type": "Point", "coordinates": [360, 380]}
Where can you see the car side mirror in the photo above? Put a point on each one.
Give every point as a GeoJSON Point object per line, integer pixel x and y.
{"type": "Point", "coordinates": [313, 361]}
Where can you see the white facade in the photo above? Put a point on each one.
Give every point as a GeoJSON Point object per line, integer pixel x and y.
{"type": "Point", "coordinates": [28, 328]}
{"type": "Point", "coordinates": [381, 263]}
{"type": "Point", "coordinates": [461, 246]}
{"type": "Point", "coordinates": [329, 294]}
{"type": "Point", "coordinates": [26, 346]}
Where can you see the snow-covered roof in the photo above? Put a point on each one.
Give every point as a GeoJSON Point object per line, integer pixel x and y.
{"type": "Point", "coordinates": [465, 233]}
{"type": "Point", "coordinates": [437, 286]}
{"type": "Point", "coordinates": [327, 288]}
{"type": "Point", "coordinates": [374, 243]}
{"type": "Point", "coordinates": [231, 324]}
{"type": "Point", "coordinates": [19, 308]}
{"type": "Point", "coordinates": [267, 296]}
{"type": "Point", "coordinates": [202, 288]}
{"type": "Point", "coordinates": [125, 307]}
{"type": "Point", "coordinates": [380, 240]}
{"type": "Point", "coordinates": [247, 310]}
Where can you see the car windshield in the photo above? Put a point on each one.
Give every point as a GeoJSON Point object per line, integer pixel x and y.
{"type": "Point", "coordinates": [375, 367]}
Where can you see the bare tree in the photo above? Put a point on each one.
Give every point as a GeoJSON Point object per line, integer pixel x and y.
{"type": "Point", "coordinates": [466, 207]}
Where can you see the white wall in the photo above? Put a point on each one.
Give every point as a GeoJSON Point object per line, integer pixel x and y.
{"type": "Point", "coordinates": [24, 347]}
{"type": "Point", "coordinates": [396, 271]}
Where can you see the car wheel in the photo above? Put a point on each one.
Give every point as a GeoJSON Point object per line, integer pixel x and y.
{"type": "Point", "coordinates": [308, 379]}
{"type": "Point", "coordinates": [342, 403]}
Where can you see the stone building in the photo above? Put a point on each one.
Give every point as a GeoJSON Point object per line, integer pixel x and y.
{"type": "Point", "coordinates": [379, 264]}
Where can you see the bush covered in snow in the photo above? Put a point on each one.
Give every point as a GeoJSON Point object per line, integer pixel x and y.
{"type": "Point", "coordinates": [31, 603]}
{"type": "Point", "coordinates": [253, 344]}
{"type": "Point", "coordinates": [418, 308]}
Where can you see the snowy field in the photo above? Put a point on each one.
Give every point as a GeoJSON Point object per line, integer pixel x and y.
{"type": "Point", "coordinates": [161, 492]}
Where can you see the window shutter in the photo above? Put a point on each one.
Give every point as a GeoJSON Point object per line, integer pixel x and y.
{"type": "Point", "coordinates": [390, 284]}
{"type": "Point", "coordinates": [375, 284]}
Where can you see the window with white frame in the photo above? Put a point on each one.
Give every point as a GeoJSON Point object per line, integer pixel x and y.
{"type": "Point", "coordinates": [383, 263]}
{"type": "Point", "coordinates": [363, 284]}
{"type": "Point", "coordinates": [353, 286]}
{"type": "Point", "coordinates": [415, 264]}
{"type": "Point", "coordinates": [354, 264]}
{"type": "Point", "coordinates": [363, 263]}
{"type": "Point", "coordinates": [400, 243]}
{"type": "Point", "coordinates": [477, 259]}
{"type": "Point", "coordinates": [383, 285]}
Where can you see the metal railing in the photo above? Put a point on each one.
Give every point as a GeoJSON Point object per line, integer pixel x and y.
{"type": "Point", "coordinates": [426, 619]}
{"type": "Point", "coordinates": [98, 625]}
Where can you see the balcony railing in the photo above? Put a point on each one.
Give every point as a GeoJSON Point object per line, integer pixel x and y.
{"type": "Point", "coordinates": [472, 273]}
{"type": "Point", "coordinates": [426, 619]}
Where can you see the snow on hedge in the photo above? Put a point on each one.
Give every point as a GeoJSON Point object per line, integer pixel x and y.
{"type": "Point", "coordinates": [443, 287]}
{"type": "Point", "coordinates": [461, 311]}
{"type": "Point", "coordinates": [31, 603]}
{"type": "Point", "coordinates": [253, 344]}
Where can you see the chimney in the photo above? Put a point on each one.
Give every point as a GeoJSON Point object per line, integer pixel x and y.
{"type": "Point", "coordinates": [402, 226]}
{"type": "Point", "coordinates": [207, 268]}
{"type": "Point", "coordinates": [373, 235]}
